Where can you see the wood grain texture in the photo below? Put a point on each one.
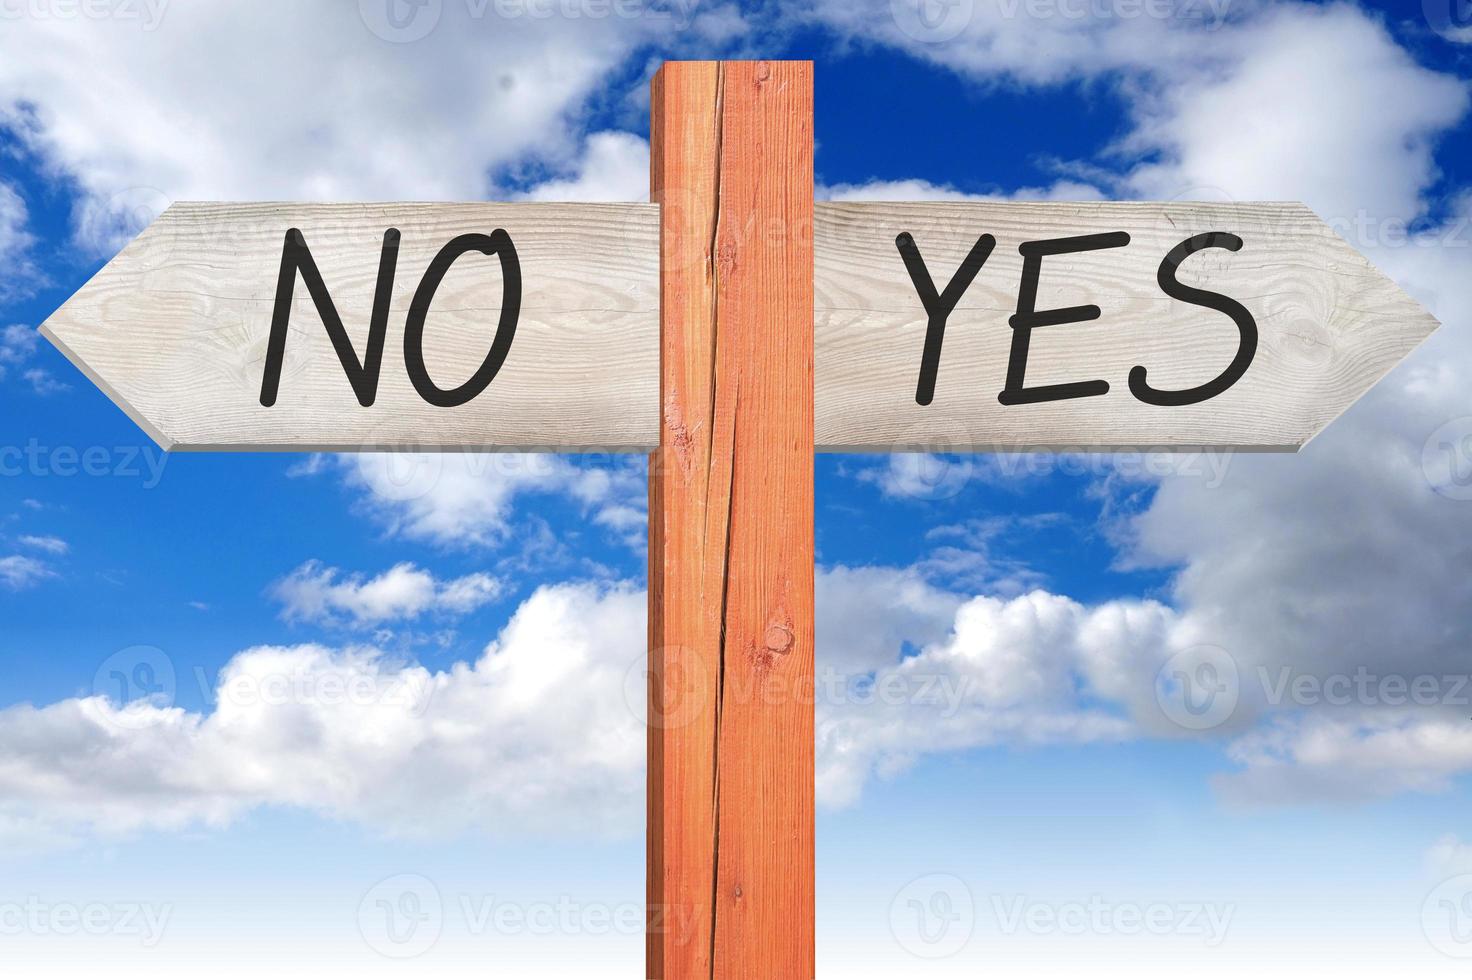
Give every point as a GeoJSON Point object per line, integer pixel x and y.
{"type": "Point", "coordinates": [689, 505]}
{"type": "Point", "coordinates": [731, 513]}
{"type": "Point", "coordinates": [1330, 326]}
{"type": "Point", "coordinates": [175, 328]}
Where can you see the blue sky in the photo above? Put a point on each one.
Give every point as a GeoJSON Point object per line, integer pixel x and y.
{"type": "Point", "coordinates": [382, 687]}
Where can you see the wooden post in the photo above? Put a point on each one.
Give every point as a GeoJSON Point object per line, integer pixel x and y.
{"type": "Point", "coordinates": [730, 825]}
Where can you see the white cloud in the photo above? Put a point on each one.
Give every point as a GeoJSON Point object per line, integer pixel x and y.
{"type": "Point", "coordinates": [1281, 102]}
{"type": "Point", "coordinates": [319, 594]}
{"type": "Point", "coordinates": [907, 670]}
{"type": "Point", "coordinates": [44, 383]}
{"type": "Point", "coordinates": [535, 737]}
{"type": "Point", "coordinates": [866, 615]}
{"type": "Point", "coordinates": [966, 554]}
{"type": "Point", "coordinates": [458, 499]}
{"type": "Point", "coordinates": [21, 273]}
{"type": "Point", "coordinates": [545, 728]}
{"type": "Point", "coordinates": [1345, 556]}
{"type": "Point", "coordinates": [1449, 856]}
{"type": "Point", "coordinates": [310, 464]}
{"type": "Point", "coordinates": [1324, 107]}
{"type": "Point", "coordinates": [1039, 669]}
{"type": "Point", "coordinates": [19, 572]}
{"type": "Point", "coordinates": [921, 476]}
{"type": "Point", "coordinates": [544, 732]}
{"type": "Point", "coordinates": [1036, 43]}
{"type": "Point", "coordinates": [46, 543]}
{"type": "Point", "coordinates": [614, 167]}
{"type": "Point", "coordinates": [1368, 755]}
{"type": "Point", "coordinates": [892, 190]}
{"type": "Point", "coordinates": [243, 100]}
{"type": "Point", "coordinates": [923, 190]}
{"type": "Point", "coordinates": [17, 345]}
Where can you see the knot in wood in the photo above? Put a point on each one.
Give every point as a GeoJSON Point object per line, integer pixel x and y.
{"type": "Point", "coordinates": [779, 638]}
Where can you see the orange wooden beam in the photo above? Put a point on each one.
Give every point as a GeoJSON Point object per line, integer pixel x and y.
{"type": "Point", "coordinates": [730, 826]}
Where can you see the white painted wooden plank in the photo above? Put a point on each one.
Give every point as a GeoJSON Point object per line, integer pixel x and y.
{"type": "Point", "coordinates": [1329, 325]}
{"type": "Point", "coordinates": [175, 329]}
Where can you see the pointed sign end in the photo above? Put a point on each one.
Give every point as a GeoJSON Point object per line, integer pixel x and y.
{"type": "Point", "coordinates": [159, 437]}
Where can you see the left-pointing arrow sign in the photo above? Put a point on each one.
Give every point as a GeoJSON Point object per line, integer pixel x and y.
{"type": "Point", "coordinates": [379, 326]}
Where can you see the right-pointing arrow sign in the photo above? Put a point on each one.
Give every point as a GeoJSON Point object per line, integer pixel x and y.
{"type": "Point", "coordinates": [1000, 326]}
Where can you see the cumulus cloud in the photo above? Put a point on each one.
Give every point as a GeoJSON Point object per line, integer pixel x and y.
{"type": "Point", "coordinates": [546, 728]}
{"type": "Point", "coordinates": [1036, 43]}
{"type": "Point", "coordinates": [1278, 102]}
{"type": "Point", "coordinates": [915, 189]}
{"type": "Point", "coordinates": [921, 476]}
{"type": "Point", "coordinates": [1345, 558]}
{"type": "Point", "coordinates": [614, 167]}
{"type": "Point", "coordinates": [1361, 756]}
{"type": "Point", "coordinates": [241, 100]}
{"type": "Point", "coordinates": [1038, 669]}
{"type": "Point", "coordinates": [533, 737]}
{"type": "Point", "coordinates": [458, 499]}
{"type": "Point", "coordinates": [319, 594]}
{"type": "Point", "coordinates": [1351, 556]}
{"type": "Point", "coordinates": [867, 616]}
{"type": "Point", "coordinates": [1324, 107]}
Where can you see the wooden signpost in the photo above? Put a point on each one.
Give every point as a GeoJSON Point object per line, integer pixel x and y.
{"type": "Point", "coordinates": [732, 328]}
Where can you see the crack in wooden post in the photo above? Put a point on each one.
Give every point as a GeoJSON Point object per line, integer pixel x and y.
{"type": "Point", "coordinates": [730, 831]}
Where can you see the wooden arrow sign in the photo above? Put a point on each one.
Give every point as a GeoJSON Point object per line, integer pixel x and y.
{"type": "Point", "coordinates": [366, 326]}
{"type": "Point", "coordinates": [1094, 326]}
{"type": "Point", "coordinates": [986, 326]}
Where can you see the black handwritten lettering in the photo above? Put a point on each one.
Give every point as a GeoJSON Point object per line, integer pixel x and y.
{"type": "Point", "coordinates": [362, 375]}
{"type": "Point", "coordinates": [1246, 325]}
{"type": "Point", "coordinates": [496, 243]}
{"type": "Point", "coordinates": [1029, 317]}
{"type": "Point", "coordinates": [938, 307]}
